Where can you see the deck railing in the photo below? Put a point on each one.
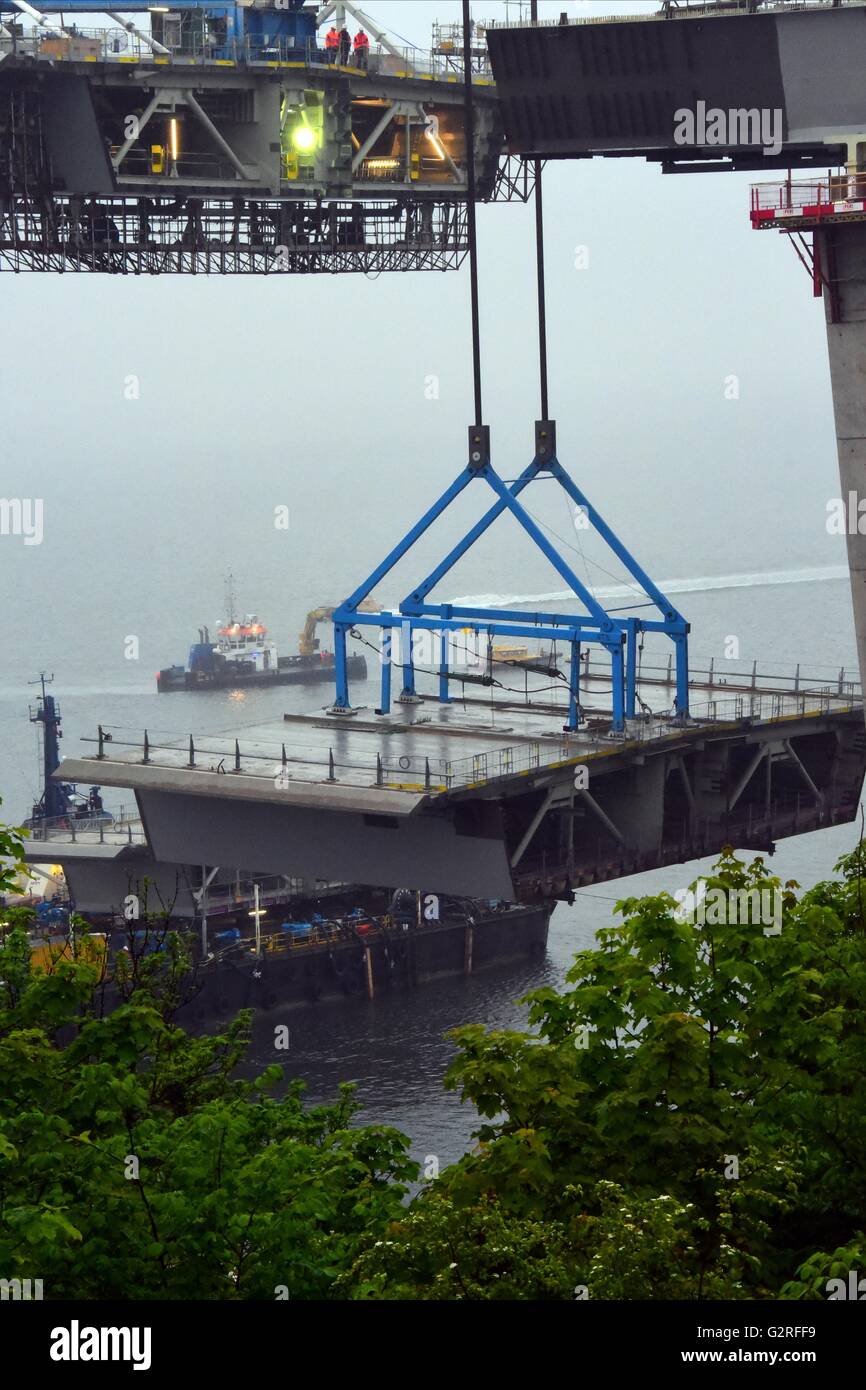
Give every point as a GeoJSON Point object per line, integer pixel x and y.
{"type": "Point", "coordinates": [838, 681]}
{"type": "Point", "coordinates": [680, 9]}
{"type": "Point", "coordinates": [115, 45]}
{"type": "Point", "coordinates": [320, 934]}
{"type": "Point", "coordinates": [482, 767]}
{"type": "Point", "coordinates": [295, 762]}
{"type": "Point", "coordinates": [121, 830]}
{"type": "Point", "coordinates": [806, 197]}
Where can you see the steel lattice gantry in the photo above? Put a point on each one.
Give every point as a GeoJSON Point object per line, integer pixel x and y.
{"type": "Point", "coordinates": [618, 636]}
{"type": "Point", "coordinates": [191, 236]}
{"type": "Point", "coordinates": [135, 163]}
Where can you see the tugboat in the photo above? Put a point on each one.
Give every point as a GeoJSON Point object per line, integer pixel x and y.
{"type": "Point", "coordinates": [244, 655]}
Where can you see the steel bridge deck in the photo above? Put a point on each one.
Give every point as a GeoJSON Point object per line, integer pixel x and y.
{"type": "Point", "coordinates": [424, 748]}
{"type": "Point", "coordinates": [469, 798]}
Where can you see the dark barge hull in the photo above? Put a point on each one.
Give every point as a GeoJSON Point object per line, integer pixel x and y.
{"type": "Point", "coordinates": [401, 959]}
{"type": "Point", "coordinates": [294, 670]}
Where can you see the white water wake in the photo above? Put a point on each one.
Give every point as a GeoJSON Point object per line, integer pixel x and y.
{"type": "Point", "coordinates": [814, 575]}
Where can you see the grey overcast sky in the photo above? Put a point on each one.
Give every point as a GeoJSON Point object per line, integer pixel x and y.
{"type": "Point", "coordinates": [310, 391]}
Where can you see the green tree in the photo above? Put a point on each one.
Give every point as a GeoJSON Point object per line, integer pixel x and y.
{"type": "Point", "coordinates": [716, 1065]}
{"type": "Point", "coordinates": [135, 1163]}
{"type": "Point", "coordinates": [685, 1120]}
{"type": "Point", "coordinates": [631, 1248]}
{"type": "Point", "coordinates": [815, 1277]}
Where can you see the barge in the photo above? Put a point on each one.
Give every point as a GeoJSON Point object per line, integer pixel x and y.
{"type": "Point", "coordinates": [360, 955]}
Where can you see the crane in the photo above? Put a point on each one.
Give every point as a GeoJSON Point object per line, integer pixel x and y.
{"type": "Point", "coordinates": [308, 642]}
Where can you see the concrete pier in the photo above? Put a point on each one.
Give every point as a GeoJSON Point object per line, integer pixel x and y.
{"type": "Point", "coordinates": [841, 252]}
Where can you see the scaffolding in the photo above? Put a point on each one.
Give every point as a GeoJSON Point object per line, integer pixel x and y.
{"type": "Point", "coordinates": [152, 236]}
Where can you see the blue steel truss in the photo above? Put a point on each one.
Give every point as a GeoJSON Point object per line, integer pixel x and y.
{"type": "Point", "coordinates": [619, 636]}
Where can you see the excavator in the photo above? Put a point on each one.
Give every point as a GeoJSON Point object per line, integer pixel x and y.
{"type": "Point", "coordinates": [308, 642]}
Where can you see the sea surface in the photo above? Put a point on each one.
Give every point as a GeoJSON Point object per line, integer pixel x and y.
{"type": "Point", "coordinates": [396, 1048]}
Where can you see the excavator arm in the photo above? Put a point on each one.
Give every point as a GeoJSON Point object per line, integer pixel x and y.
{"type": "Point", "coordinates": [308, 642]}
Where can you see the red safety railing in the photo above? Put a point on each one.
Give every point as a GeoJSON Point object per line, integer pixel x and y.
{"type": "Point", "coordinates": [811, 198]}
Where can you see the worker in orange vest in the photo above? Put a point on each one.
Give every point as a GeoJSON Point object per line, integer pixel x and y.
{"type": "Point", "coordinates": [362, 49]}
{"type": "Point", "coordinates": [332, 44]}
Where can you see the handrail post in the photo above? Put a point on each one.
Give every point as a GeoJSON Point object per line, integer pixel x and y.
{"type": "Point", "coordinates": [378, 769]}
{"type": "Point", "coordinates": [237, 756]}
{"type": "Point", "coordinates": [191, 762]}
{"type": "Point", "coordinates": [331, 776]}
{"type": "Point", "coordinates": [146, 758]}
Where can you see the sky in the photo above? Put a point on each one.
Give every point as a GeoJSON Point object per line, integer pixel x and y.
{"type": "Point", "coordinates": [310, 392]}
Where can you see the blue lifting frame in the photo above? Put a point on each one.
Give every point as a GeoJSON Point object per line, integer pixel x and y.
{"type": "Point", "coordinates": [619, 636]}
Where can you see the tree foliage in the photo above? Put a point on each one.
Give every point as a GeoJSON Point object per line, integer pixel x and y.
{"type": "Point", "coordinates": [136, 1163]}
{"type": "Point", "coordinates": [685, 1120]}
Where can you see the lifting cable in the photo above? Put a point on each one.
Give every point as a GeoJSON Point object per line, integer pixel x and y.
{"type": "Point", "coordinates": [470, 208]}
{"type": "Point", "coordinates": [473, 257]}
{"type": "Point", "coordinates": [538, 166]}
{"type": "Point", "coordinates": [469, 103]}
{"type": "Point", "coordinates": [539, 262]}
